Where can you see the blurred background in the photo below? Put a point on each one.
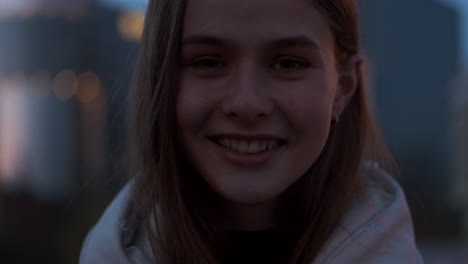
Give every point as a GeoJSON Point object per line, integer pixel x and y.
{"type": "Point", "coordinates": [65, 70]}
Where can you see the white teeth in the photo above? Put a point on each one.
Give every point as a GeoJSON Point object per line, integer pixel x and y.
{"type": "Point", "coordinates": [243, 146]}
{"type": "Point", "coordinates": [234, 144]}
{"type": "Point", "coordinates": [254, 147]}
{"type": "Point", "coordinates": [251, 147]}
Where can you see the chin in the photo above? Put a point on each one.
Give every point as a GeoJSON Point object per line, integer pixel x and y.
{"type": "Point", "coordinates": [246, 193]}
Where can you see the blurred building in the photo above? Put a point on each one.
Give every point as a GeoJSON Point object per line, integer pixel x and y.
{"type": "Point", "coordinates": [413, 51]}
{"type": "Point", "coordinates": [65, 70]}
{"type": "Point", "coordinates": [460, 146]}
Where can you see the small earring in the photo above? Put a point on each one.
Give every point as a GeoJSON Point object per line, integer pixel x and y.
{"type": "Point", "coordinates": [337, 119]}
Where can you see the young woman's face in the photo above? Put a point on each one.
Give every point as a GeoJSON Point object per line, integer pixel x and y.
{"type": "Point", "coordinates": [256, 74]}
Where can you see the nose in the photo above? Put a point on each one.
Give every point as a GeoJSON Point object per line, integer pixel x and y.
{"type": "Point", "coordinates": [247, 99]}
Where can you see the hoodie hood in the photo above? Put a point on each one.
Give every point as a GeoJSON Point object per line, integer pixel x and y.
{"type": "Point", "coordinates": [376, 229]}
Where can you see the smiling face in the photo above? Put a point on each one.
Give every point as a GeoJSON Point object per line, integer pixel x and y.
{"type": "Point", "coordinates": [258, 92]}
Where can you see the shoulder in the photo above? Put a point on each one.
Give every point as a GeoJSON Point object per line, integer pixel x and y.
{"type": "Point", "coordinates": [377, 228]}
{"type": "Point", "coordinates": [113, 238]}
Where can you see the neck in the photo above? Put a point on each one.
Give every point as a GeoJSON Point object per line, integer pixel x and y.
{"type": "Point", "coordinates": [250, 217]}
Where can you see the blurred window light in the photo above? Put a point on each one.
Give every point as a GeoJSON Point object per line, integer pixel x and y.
{"type": "Point", "coordinates": [22, 8]}
{"type": "Point", "coordinates": [71, 9]}
{"type": "Point", "coordinates": [37, 137]}
{"type": "Point", "coordinates": [65, 85]}
{"type": "Point", "coordinates": [89, 87]}
{"type": "Point", "coordinates": [13, 128]}
{"type": "Point", "coordinates": [130, 25]}
{"type": "Point", "coordinates": [2, 82]}
{"type": "Point", "coordinates": [18, 80]}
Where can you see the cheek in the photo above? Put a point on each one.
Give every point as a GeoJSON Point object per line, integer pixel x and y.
{"type": "Point", "coordinates": [308, 109]}
{"type": "Point", "coordinates": [195, 102]}
{"type": "Point", "coordinates": [308, 103]}
{"type": "Point", "coordinates": [311, 122]}
{"type": "Point", "coordinates": [187, 107]}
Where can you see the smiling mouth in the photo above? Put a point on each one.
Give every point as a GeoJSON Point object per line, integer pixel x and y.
{"type": "Point", "coordinates": [248, 146]}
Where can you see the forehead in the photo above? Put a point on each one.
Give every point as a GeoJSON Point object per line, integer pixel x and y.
{"type": "Point", "coordinates": [252, 21]}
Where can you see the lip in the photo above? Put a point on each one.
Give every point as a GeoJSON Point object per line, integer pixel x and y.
{"type": "Point", "coordinates": [247, 160]}
{"type": "Point", "coordinates": [248, 137]}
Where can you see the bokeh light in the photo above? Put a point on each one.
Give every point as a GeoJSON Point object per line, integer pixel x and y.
{"type": "Point", "coordinates": [89, 87]}
{"type": "Point", "coordinates": [130, 25]}
{"type": "Point", "coordinates": [65, 84]}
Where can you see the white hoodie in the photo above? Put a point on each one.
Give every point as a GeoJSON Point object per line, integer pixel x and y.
{"type": "Point", "coordinates": [376, 230]}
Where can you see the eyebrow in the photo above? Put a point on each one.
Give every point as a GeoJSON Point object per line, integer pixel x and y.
{"type": "Point", "coordinates": [207, 40]}
{"type": "Point", "coordinates": [296, 41]}
{"type": "Point", "coordinates": [282, 43]}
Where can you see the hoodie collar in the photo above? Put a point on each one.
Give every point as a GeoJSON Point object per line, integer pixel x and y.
{"type": "Point", "coordinates": [376, 229]}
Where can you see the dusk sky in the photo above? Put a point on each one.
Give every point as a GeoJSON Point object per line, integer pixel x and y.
{"type": "Point", "coordinates": [140, 4]}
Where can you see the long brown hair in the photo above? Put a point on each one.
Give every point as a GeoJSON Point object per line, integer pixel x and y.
{"type": "Point", "coordinates": [165, 195]}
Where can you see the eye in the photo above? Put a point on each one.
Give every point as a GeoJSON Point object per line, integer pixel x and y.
{"type": "Point", "coordinates": [207, 67]}
{"type": "Point", "coordinates": [290, 64]}
{"type": "Point", "coordinates": [207, 63]}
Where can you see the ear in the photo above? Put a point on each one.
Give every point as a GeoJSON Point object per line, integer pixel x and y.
{"type": "Point", "coordinates": [349, 78]}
